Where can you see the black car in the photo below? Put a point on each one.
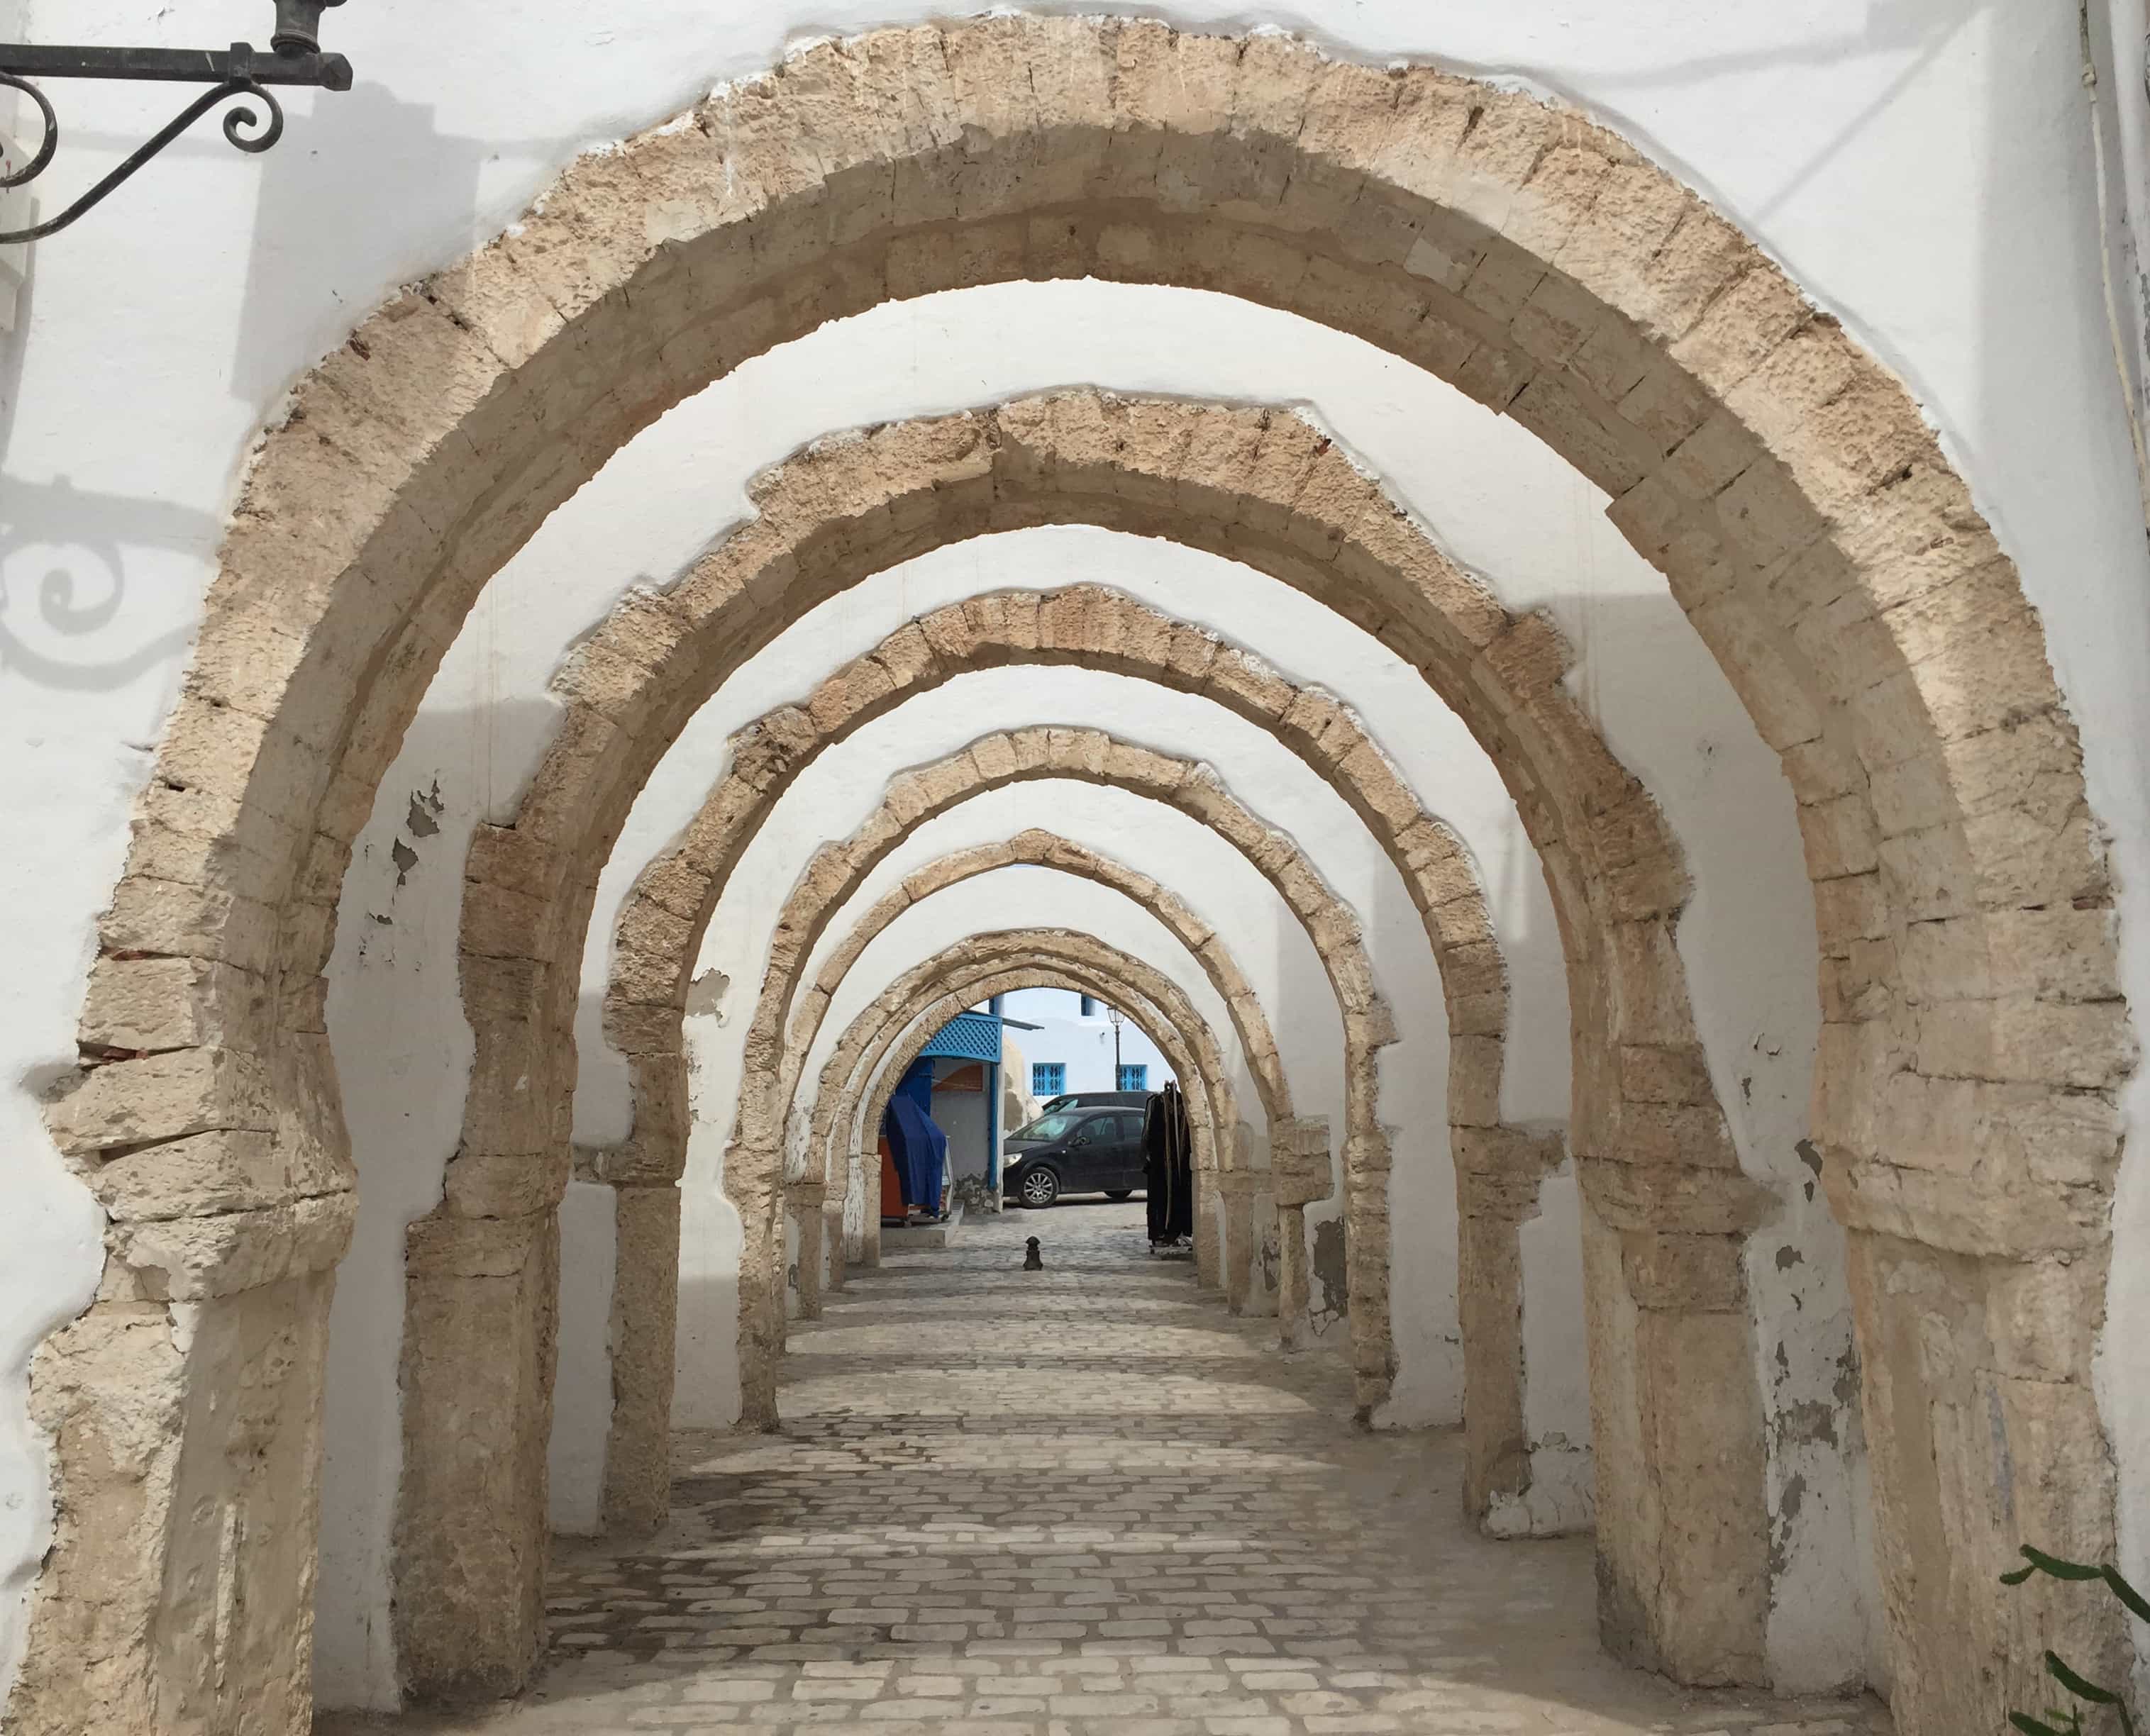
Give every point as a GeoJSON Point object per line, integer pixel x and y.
{"type": "Point", "coordinates": [1093, 1101]}
{"type": "Point", "coordinates": [1079, 1150]}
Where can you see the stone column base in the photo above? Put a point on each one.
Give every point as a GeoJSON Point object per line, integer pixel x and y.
{"type": "Point", "coordinates": [832, 1244]}
{"type": "Point", "coordinates": [803, 1204]}
{"type": "Point", "coordinates": [1209, 1260]}
{"type": "Point", "coordinates": [1294, 1286]}
{"type": "Point", "coordinates": [179, 1595]}
{"type": "Point", "coordinates": [645, 1324]}
{"type": "Point", "coordinates": [472, 1530]}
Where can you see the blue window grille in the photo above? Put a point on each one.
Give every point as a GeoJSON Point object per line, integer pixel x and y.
{"type": "Point", "coordinates": [1047, 1078]}
{"type": "Point", "coordinates": [1134, 1076]}
{"type": "Point", "coordinates": [967, 1036]}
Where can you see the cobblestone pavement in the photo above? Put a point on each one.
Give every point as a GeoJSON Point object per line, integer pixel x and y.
{"type": "Point", "coordinates": [1084, 1502]}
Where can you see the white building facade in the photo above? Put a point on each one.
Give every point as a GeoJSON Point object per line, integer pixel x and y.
{"type": "Point", "coordinates": [1073, 1041]}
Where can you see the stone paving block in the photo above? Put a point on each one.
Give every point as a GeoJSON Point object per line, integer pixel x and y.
{"type": "Point", "coordinates": [1001, 1532]}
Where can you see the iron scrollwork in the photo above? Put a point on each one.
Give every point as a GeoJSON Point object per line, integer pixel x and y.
{"type": "Point", "coordinates": [239, 73]}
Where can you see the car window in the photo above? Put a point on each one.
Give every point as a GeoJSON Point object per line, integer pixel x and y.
{"type": "Point", "coordinates": [1131, 1126]}
{"type": "Point", "coordinates": [1096, 1129]}
{"type": "Point", "coordinates": [1045, 1127]}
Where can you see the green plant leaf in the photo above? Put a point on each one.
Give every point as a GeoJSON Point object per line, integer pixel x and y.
{"type": "Point", "coordinates": [2018, 1577]}
{"type": "Point", "coordinates": [2076, 1685]}
{"type": "Point", "coordinates": [2139, 1606]}
{"type": "Point", "coordinates": [2032, 1727]}
{"type": "Point", "coordinates": [2060, 1569]}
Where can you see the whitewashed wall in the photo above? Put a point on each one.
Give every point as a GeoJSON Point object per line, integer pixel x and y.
{"type": "Point", "coordinates": [2121, 32]}
{"type": "Point", "coordinates": [582, 1385]}
{"type": "Point", "coordinates": [1923, 171]}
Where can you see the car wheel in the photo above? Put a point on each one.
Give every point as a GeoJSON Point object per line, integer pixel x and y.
{"type": "Point", "coordinates": [1040, 1187]}
{"type": "Point", "coordinates": [1117, 1195]}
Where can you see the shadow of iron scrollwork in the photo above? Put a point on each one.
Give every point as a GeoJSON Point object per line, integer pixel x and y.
{"type": "Point", "coordinates": [63, 581]}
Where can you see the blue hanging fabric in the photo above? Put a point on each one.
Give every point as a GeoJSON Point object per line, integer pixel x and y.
{"type": "Point", "coordinates": [917, 1084]}
{"type": "Point", "coordinates": [921, 1152]}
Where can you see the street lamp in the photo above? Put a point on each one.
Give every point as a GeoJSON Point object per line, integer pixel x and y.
{"type": "Point", "coordinates": [1117, 1018]}
{"type": "Point", "coordinates": [295, 58]}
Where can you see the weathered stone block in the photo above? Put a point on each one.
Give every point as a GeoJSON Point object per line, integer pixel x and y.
{"type": "Point", "coordinates": [163, 1097]}
{"type": "Point", "coordinates": [194, 1259]}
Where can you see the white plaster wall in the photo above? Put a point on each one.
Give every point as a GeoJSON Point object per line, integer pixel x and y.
{"type": "Point", "coordinates": [705, 1392]}
{"type": "Point", "coordinates": [2122, 29]}
{"type": "Point", "coordinates": [581, 1381]}
{"type": "Point", "coordinates": [1924, 170]}
{"type": "Point", "coordinates": [1556, 1363]}
{"type": "Point", "coordinates": [961, 1115]}
{"type": "Point", "coordinates": [404, 1054]}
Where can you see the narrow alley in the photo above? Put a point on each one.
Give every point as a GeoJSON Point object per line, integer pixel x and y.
{"type": "Point", "coordinates": [1084, 1502]}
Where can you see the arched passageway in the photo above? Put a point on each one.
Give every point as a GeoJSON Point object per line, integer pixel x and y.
{"type": "Point", "coordinates": [882, 1040]}
{"type": "Point", "coordinates": [636, 1473]}
{"type": "Point", "coordinates": [1803, 514]}
{"type": "Point", "coordinates": [1251, 1025]}
{"type": "Point", "coordinates": [837, 871]}
{"type": "Point", "coordinates": [1097, 628]}
{"type": "Point", "coordinates": [638, 1470]}
{"type": "Point", "coordinates": [1162, 1008]}
{"type": "Point", "coordinates": [833, 1136]}
{"type": "Point", "coordinates": [910, 1009]}
{"type": "Point", "coordinates": [886, 1037]}
{"type": "Point", "coordinates": [1642, 1087]}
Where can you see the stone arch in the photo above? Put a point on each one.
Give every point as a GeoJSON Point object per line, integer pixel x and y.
{"type": "Point", "coordinates": [1781, 478]}
{"type": "Point", "coordinates": [846, 1100]}
{"type": "Point", "coordinates": [981, 965]}
{"type": "Point", "coordinates": [1157, 1006]}
{"type": "Point", "coordinates": [1035, 847]}
{"type": "Point", "coordinates": [881, 1076]}
{"type": "Point", "coordinates": [1499, 1167]}
{"type": "Point", "coordinates": [1267, 488]}
{"type": "Point", "coordinates": [1097, 628]}
{"type": "Point", "coordinates": [1212, 1103]}
{"type": "Point", "coordinates": [652, 951]}
{"type": "Point", "coordinates": [1655, 1156]}
{"type": "Point", "coordinates": [650, 1162]}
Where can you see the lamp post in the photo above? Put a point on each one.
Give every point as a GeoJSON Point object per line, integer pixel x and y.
{"type": "Point", "coordinates": [1117, 1018]}
{"type": "Point", "coordinates": [294, 57]}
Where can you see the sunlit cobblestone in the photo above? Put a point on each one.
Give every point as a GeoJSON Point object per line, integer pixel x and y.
{"type": "Point", "coordinates": [1084, 1502]}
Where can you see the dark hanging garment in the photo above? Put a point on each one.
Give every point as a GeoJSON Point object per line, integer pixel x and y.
{"type": "Point", "coordinates": [920, 1150]}
{"type": "Point", "coordinates": [1168, 1166]}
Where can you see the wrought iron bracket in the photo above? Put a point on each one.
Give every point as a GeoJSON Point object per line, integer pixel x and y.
{"type": "Point", "coordinates": [240, 71]}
